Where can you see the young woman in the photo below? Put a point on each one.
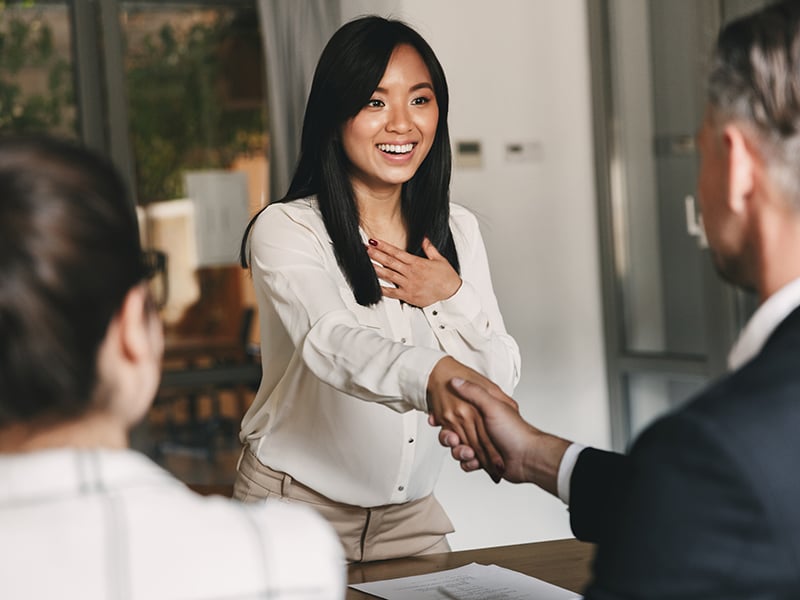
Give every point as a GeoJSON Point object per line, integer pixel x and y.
{"type": "Point", "coordinates": [82, 515]}
{"type": "Point", "coordinates": [373, 292]}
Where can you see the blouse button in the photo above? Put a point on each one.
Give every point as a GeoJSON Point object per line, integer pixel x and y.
{"type": "Point", "coordinates": [441, 326]}
{"type": "Point", "coordinates": [436, 312]}
{"type": "Point", "coordinates": [400, 488]}
{"type": "Point", "coordinates": [403, 340]}
{"type": "Point", "coordinates": [410, 440]}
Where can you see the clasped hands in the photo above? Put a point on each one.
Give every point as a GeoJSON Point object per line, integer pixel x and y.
{"type": "Point", "coordinates": [462, 423]}
{"type": "Point", "coordinates": [529, 455]}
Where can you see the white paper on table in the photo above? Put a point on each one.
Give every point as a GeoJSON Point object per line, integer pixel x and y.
{"type": "Point", "coordinates": [470, 582]}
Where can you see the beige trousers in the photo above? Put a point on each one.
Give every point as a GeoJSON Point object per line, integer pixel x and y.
{"type": "Point", "coordinates": [377, 533]}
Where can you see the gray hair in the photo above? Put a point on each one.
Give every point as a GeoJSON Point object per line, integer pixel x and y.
{"type": "Point", "coordinates": [755, 80]}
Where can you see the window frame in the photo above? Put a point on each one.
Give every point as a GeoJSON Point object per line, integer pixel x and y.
{"type": "Point", "coordinates": [100, 83]}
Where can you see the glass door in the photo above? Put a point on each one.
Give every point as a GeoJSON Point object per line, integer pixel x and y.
{"type": "Point", "coordinates": [670, 320]}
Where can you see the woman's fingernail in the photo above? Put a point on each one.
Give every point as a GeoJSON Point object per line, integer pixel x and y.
{"type": "Point", "coordinates": [457, 381]}
{"type": "Point", "coordinates": [372, 242]}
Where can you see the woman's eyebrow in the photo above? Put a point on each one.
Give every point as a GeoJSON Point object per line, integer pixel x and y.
{"type": "Point", "coordinates": [413, 88]}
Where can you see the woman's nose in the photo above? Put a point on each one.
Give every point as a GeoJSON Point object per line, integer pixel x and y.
{"type": "Point", "coordinates": [399, 120]}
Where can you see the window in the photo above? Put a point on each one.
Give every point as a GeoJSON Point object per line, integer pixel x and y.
{"type": "Point", "coordinates": [173, 92]}
{"type": "Point", "coordinates": [196, 127]}
{"type": "Point", "coordinates": [194, 75]}
{"type": "Point", "coordinates": [36, 62]}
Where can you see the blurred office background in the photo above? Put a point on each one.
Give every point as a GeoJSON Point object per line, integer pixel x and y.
{"type": "Point", "coordinates": [572, 124]}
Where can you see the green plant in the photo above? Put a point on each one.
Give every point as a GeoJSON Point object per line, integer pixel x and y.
{"type": "Point", "coordinates": [27, 51]}
{"type": "Point", "coordinates": [178, 116]}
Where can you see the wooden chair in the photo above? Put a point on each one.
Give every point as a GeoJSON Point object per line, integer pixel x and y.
{"type": "Point", "coordinates": [206, 355]}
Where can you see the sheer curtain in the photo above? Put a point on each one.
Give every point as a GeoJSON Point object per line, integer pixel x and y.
{"type": "Point", "coordinates": [294, 33]}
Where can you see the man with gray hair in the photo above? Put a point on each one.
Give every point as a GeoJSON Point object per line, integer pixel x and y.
{"type": "Point", "coordinates": [707, 502]}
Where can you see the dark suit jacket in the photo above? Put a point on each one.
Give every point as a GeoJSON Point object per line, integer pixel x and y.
{"type": "Point", "coordinates": [707, 503]}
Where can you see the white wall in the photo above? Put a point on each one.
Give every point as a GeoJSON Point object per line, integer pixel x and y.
{"type": "Point", "coordinates": [518, 72]}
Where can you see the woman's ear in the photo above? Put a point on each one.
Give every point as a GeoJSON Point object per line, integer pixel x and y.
{"type": "Point", "coordinates": [742, 159]}
{"type": "Point", "coordinates": [133, 324]}
{"type": "Point", "coordinates": [136, 358]}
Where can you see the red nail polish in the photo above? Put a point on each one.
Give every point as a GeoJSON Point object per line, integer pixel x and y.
{"type": "Point", "coordinates": [372, 242]}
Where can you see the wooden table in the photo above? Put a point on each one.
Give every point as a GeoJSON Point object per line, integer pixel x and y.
{"type": "Point", "coordinates": [565, 563]}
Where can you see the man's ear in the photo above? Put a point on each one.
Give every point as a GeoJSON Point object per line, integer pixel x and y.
{"type": "Point", "coordinates": [741, 156]}
{"type": "Point", "coordinates": [132, 320]}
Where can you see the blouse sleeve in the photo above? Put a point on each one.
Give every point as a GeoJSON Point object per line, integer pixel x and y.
{"type": "Point", "coordinates": [338, 341]}
{"type": "Point", "coordinates": [469, 325]}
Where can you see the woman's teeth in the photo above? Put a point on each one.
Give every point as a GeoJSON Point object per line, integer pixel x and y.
{"type": "Point", "coordinates": [396, 149]}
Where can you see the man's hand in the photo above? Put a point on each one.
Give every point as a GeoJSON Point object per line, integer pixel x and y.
{"type": "Point", "coordinates": [419, 281]}
{"type": "Point", "coordinates": [529, 455]}
{"type": "Point", "coordinates": [449, 411]}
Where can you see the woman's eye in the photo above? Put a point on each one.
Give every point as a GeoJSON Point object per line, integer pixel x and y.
{"type": "Point", "coordinates": [375, 103]}
{"type": "Point", "coordinates": [420, 100]}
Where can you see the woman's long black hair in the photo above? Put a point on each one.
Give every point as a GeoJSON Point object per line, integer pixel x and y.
{"type": "Point", "coordinates": [350, 68]}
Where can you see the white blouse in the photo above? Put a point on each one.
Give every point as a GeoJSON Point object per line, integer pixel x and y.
{"type": "Point", "coordinates": [332, 368]}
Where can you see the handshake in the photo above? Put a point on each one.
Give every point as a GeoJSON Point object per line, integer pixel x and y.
{"type": "Point", "coordinates": [484, 430]}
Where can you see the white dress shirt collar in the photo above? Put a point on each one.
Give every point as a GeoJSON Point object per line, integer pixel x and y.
{"type": "Point", "coordinates": [763, 322]}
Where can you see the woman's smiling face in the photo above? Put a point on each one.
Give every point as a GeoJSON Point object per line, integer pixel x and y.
{"type": "Point", "coordinates": [390, 137]}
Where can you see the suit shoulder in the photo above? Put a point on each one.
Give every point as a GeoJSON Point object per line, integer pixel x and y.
{"type": "Point", "coordinates": [761, 394]}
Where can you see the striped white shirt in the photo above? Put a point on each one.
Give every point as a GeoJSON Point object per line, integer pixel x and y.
{"type": "Point", "coordinates": [112, 525]}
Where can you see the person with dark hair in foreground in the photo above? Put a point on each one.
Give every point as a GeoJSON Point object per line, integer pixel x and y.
{"type": "Point", "coordinates": [82, 515]}
{"type": "Point", "coordinates": [373, 292]}
{"type": "Point", "coordinates": [705, 504]}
